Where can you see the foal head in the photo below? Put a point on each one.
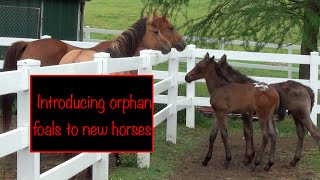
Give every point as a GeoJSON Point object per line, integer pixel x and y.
{"type": "Point", "coordinates": [206, 68]}
{"type": "Point", "coordinates": [153, 38]}
{"type": "Point", "coordinates": [169, 32]}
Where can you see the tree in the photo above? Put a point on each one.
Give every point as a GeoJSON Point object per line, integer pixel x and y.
{"type": "Point", "coordinates": [274, 21]}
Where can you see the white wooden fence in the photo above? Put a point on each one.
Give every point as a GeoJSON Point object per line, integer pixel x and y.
{"type": "Point", "coordinates": [17, 140]}
{"type": "Point", "coordinates": [87, 30]}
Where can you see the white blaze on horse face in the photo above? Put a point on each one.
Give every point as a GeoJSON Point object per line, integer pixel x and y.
{"type": "Point", "coordinates": [261, 86]}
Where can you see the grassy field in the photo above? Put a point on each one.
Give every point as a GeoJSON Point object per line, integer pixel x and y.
{"type": "Point", "coordinates": [119, 15]}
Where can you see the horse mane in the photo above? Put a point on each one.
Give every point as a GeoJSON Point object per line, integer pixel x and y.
{"type": "Point", "coordinates": [220, 72]}
{"type": "Point", "coordinates": [235, 73]}
{"type": "Point", "coordinates": [128, 41]}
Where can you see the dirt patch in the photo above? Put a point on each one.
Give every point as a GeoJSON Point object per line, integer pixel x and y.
{"type": "Point", "coordinates": [191, 168]}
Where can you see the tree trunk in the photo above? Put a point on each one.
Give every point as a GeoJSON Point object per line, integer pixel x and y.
{"type": "Point", "coordinates": [311, 25]}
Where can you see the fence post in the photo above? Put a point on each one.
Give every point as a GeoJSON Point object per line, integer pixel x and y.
{"type": "Point", "coordinates": [289, 64]}
{"type": "Point", "coordinates": [172, 97]}
{"type": "Point", "coordinates": [87, 33]}
{"type": "Point", "coordinates": [103, 62]}
{"type": "Point", "coordinates": [143, 159]}
{"type": "Point", "coordinates": [222, 43]}
{"type": "Point", "coordinates": [314, 73]}
{"type": "Point", "coordinates": [100, 169]}
{"type": "Point", "coordinates": [28, 164]}
{"type": "Point", "coordinates": [45, 37]}
{"type": "Point", "coordinates": [190, 90]}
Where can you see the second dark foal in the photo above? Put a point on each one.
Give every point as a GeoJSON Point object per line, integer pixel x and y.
{"type": "Point", "coordinates": [299, 100]}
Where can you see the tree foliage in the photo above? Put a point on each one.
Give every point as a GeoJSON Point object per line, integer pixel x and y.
{"type": "Point", "coordinates": [276, 21]}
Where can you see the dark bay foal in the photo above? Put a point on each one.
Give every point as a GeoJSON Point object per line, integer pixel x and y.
{"type": "Point", "coordinates": [299, 100]}
{"type": "Point", "coordinates": [229, 97]}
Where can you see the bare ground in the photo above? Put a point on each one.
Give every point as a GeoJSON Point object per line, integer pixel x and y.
{"type": "Point", "coordinates": [191, 167]}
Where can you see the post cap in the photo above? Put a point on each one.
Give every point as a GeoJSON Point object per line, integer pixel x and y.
{"type": "Point", "coordinates": [28, 62]}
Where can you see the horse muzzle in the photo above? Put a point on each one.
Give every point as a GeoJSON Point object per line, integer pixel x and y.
{"type": "Point", "coordinates": [165, 50]}
{"type": "Point", "coordinates": [180, 46]}
{"type": "Point", "coordinates": [188, 79]}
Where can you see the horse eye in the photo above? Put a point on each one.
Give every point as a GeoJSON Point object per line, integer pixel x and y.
{"type": "Point", "coordinates": [156, 32]}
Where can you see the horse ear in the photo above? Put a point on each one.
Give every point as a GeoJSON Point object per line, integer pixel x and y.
{"type": "Point", "coordinates": [155, 13]}
{"type": "Point", "coordinates": [223, 59]}
{"type": "Point", "coordinates": [147, 15]}
{"type": "Point", "coordinates": [207, 56]}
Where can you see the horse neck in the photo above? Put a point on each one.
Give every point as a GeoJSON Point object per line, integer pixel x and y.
{"type": "Point", "coordinates": [213, 81]}
{"type": "Point", "coordinates": [127, 44]}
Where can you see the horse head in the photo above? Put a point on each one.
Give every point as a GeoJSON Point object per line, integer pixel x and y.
{"type": "Point", "coordinates": [153, 38]}
{"type": "Point", "coordinates": [201, 69]}
{"type": "Point", "coordinates": [169, 31]}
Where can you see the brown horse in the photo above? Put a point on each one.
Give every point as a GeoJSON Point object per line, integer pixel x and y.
{"type": "Point", "coordinates": [51, 51]}
{"type": "Point", "coordinates": [226, 97]}
{"type": "Point", "coordinates": [299, 100]}
{"type": "Point", "coordinates": [144, 34]}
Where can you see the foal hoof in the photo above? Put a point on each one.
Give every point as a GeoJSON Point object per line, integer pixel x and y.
{"type": "Point", "coordinates": [292, 164]}
{"type": "Point", "coordinates": [246, 162]}
{"type": "Point", "coordinates": [204, 163]}
{"type": "Point", "coordinates": [226, 164]}
{"type": "Point", "coordinates": [253, 167]}
{"type": "Point", "coordinates": [267, 168]}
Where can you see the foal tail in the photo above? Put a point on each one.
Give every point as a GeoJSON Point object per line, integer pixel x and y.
{"type": "Point", "coordinates": [13, 54]}
{"type": "Point", "coordinates": [311, 94]}
{"type": "Point", "coordinates": [282, 105]}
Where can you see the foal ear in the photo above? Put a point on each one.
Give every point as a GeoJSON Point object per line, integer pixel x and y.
{"type": "Point", "coordinates": [223, 59]}
{"type": "Point", "coordinates": [207, 56]}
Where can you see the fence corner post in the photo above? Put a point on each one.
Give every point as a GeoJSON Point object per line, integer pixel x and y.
{"type": "Point", "coordinates": [28, 164]}
{"type": "Point", "coordinates": [190, 90]}
{"type": "Point", "coordinates": [314, 72]}
{"type": "Point", "coordinates": [103, 62]}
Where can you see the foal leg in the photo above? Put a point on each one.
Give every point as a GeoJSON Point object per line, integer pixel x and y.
{"type": "Point", "coordinates": [265, 138]}
{"type": "Point", "coordinates": [225, 139]}
{"type": "Point", "coordinates": [248, 135]}
{"type": "Point", "coordinates": [272, 135]}
{"type": "Point", "coordinates": [213, 136]}
{"type": "Point", "coordinates": [300, 133]}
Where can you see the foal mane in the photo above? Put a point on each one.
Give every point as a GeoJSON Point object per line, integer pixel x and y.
{"type": "Point", "coordinates": [219, 71]}
{"type": "Point", "coordinates": [128, 41]}
{"type": "Point", "coordinates": [235, 73]}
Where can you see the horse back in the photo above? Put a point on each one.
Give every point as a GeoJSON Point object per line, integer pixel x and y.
{"type": "Point", "coordinates": [48, 51]}
{"type": "Point", "coordinates": [233, 97]}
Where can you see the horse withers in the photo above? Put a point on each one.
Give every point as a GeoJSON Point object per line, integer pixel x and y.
{"type": "Point", "coordinates": [226, 97]}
